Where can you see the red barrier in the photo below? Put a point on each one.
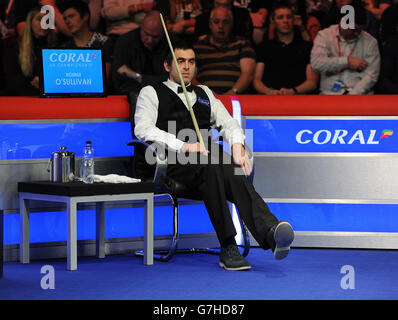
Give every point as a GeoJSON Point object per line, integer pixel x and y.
{"type": "Point", "coordinates": [29, 108]}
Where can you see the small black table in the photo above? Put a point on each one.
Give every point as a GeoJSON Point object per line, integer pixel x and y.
{"type": "Point", "coordinates": [72, 193]}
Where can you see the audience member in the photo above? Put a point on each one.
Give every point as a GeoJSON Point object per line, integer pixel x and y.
{"type": "Point", "coordinates": [334, 14]}
{"type": "Point", "coordinates": [76, 14]}
{"type": "Point", "coordinates": [181, 15]}
{"type": "Point", "coordinates": [22, 7]}
{"type": "Point", "coordinates": [8, 42]}
{"type": "Point", "coordinates": [225, 61]}
{"type": "Point", "coordinates": [347, 59]}
{"type": "Point", "coordinates": [242, 26]}
{"type": "Point", "coordinates": [283, 64]}
{"type": "Point", "coordinates": [389, 21]}
{"type": "Point", "coordinates": [124, 15]}
{"type": "Point", "coordinates": [33, 40]}
{"type": "Point", "coordinates": [139, 55]}
{"type": "Point", "coordinates": [377, 7]}
{"type": "Point", "coordinates": [388, 81]}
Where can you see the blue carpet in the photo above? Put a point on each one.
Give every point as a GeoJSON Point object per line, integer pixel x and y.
{"type": "Point", "coordinates": [305, 274]}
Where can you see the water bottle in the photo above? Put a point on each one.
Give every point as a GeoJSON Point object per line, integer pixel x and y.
{"type": "Point", "coordinates": [87, 167]}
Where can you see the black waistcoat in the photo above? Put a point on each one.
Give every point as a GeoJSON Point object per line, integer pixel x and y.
{"type": "Point", "coordinates": [171, 108]}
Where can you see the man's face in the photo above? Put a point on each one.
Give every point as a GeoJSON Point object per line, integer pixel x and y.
{"type": "Point", "coordinates": [283, 21]}
{"type": "Point", "coordinates": [151, 34]}
{"type": "Point", "coordinates": [186, 63]}
{"type": "Point", "coordinates": [220, 24]}
{"type": "Point", "coordinates": [74, 22]}
{"type": "Point", "coordinates": [351, 34]}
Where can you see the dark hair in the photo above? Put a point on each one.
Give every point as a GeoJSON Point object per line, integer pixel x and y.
{"type": "Point", "coordinates": [182, 45]}
{"type": "Point", "coordinates": [78, 5]}
{"type": "Point", "coordinates": [281, 5]}
{"type": "Point", "coordinates": [361, 16]}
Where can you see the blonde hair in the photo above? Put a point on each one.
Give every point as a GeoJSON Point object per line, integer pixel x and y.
{"type": "Point", "coordinates": [26, 48]}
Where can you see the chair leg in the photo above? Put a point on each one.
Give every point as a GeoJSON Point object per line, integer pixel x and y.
{"type": "Point", "coordinates": [168, 254]}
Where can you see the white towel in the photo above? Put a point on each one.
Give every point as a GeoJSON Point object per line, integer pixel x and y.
{"type": "Point", "coordinates": [114, 178]}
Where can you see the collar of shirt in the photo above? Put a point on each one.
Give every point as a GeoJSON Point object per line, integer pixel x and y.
{"type": "Point", "coordinates": [174, 87]}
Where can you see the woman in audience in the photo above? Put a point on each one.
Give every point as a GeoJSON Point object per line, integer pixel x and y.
{"type": "Point", "coordinates": [33, 40]}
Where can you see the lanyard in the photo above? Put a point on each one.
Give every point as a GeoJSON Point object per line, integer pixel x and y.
{"type": "Point", "coordinates": [352, 50]}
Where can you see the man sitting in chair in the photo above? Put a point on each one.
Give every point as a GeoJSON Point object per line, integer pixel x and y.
{"type": "Point", "coordinates": [162, 116]}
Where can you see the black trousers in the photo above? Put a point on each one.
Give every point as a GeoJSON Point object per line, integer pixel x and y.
{"type": "Point", "coordinates": [218, 182]}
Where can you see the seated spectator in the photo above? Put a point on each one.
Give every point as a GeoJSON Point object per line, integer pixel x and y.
{"type": "Point", "coordinates": [22, 7]}
{"type": "Point", "coordinates": [388, 81]}
{"type": "Point", "coordinates": [26, 83]}
{"type": "Point", "coordinates": [122, 16]}
{"type": "Point", "coordinates": [258, 12]}
{"type": "Point", "coordinates": [333, 16]}
{"type": "Point", "coordinates": [283, 64]}
{"type": "Point", "coordinates": [76, 14]}
{"type": "Point", "coordinates": [300, 19]}
{"type": "Point", "coordinates": [377, 7]}
{"type": "Point", "coordinates": [347, 59]}
{"type": "Point", "coordinates": [139, 55]}
{"type": "Point", "coordinates": [242, 26]}
{"type": "Point", "coordinates": [389, 21]}
{"type": "Point", "coordinates": [225, 62]}
{"type": "Point", "coordinates": [181, 17]}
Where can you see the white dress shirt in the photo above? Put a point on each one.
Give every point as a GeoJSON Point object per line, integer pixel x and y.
{"type": "Point", "coordinates": [146, 115]}
{"type": "Point", "coordinates": [326, 60]}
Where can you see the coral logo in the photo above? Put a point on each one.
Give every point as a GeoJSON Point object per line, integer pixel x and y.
{"type": "Point", "coordinates": [340, 136]}
{"type": "Point", "coordinates": [386, 133]}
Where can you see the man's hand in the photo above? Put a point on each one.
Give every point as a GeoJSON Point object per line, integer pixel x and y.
{"type": "Point", "coordinates": [240, 157]}
{"type": "Point", "coordinates": [356, 64]}
{"type": "Point", "coordinates": [194, 147]}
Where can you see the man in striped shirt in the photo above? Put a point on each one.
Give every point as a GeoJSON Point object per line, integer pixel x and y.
{"type": "Point", "coordinates": [225, 62]}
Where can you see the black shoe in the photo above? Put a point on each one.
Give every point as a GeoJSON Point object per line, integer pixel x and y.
{"type": "Point", "coordinates": [283, 236]}
{"type": "Point", "coordinates": [231, 259]}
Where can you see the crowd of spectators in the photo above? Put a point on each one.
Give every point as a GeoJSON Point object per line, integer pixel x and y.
{"type": "Point", "coordinates": [267, 47]}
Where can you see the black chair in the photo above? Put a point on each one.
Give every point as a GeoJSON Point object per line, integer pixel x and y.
{"type": "Point", "coordinates": [165, 186]}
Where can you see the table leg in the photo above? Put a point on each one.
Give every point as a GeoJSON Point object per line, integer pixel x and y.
{"type": "Point", "coordinates": [24, 230]}
{"type": "Point", "coordinates": [71, 208]}
{"type": "Point", "coordinates": [148, 232]}
{"type": "Point", "coordinates": [100, 229]}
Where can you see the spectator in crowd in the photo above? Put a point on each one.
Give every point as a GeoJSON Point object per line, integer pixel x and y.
{"type": "Point", "coordinates": [377, 7]}
{"type": "Point", "coordinates": [242, 26]}
{"type": "Point", "coordinates": [181, 15]}
{"type": "Point", "coordinates": [22, 7]}
{"type": "Point", "coordinates": [76, 14]}
{"type": "Point", "coordinates": [388, 81]}
{"type": "Point", "coordinates": [139, 55]}
{"type": "Point", "coordinates": [283, 64]}
{"type": "Point", "coordinates": [33, 40]}
{"type": "Point", "coordinates": [389, 21]}
{"type": "Point", "coordinates": [225, 62]}
{"type": "Point", "coordinates": [333, 16]}
{"type": "Point", "coordinates": [122, 16]}
{"type": "Point", "coordinates": [347, 59]}
{"type": "Point", "coordinates": [8, 42]}
{"type": "Point", "coordinates": [258, 12]}
{"type": "Point", "coordinates": [300, 19]}
{"type": "Point", "coordinates": [94, 6]}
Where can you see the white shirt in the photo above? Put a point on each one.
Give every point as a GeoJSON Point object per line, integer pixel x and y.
{"type": "Point", "coordinates": [146, 115]}
{"type": "Point", "coordinates": [326, 60]}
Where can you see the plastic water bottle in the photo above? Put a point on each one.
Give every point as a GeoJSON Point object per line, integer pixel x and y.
{"type": "Point", "coordinates": [87, 167]}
